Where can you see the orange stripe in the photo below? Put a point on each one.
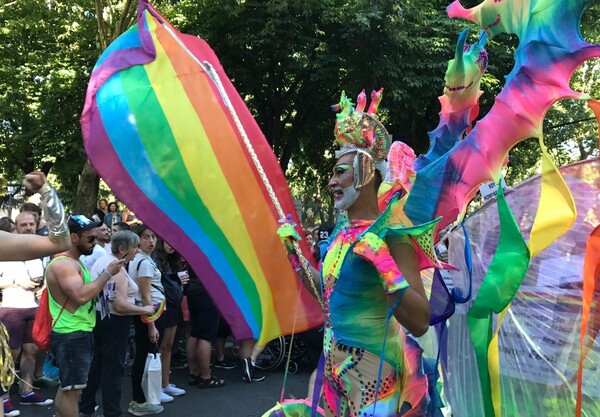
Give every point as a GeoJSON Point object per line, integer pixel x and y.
{"type": "Point", "coordinates": [591, 269]}
{"type": "Point", "coordinates": [257, 214]}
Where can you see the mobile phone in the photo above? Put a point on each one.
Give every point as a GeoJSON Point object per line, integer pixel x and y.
{"type": "Point", "coordinates": [125, 256]}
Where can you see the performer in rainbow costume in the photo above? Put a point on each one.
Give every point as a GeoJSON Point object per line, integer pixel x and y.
{"type": "Point", "coordinates": [161, 116]}
{"type": "Point", "coordinates": [369, 280]}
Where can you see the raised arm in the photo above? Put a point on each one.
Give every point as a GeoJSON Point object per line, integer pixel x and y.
{"type": "Point", "coordinates": [64, 275]}
{"type": "Point", "coordinates": [310, 281]}
{"type": "Point", "coordinates": [289, 236]}
{"type": "Point", "coordinates": [14, 247]}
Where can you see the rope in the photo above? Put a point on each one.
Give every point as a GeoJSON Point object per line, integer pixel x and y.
{"type": "Point", "coordinates": [7, 365]}
{"type": "Point", "coordinates": [212, 73]}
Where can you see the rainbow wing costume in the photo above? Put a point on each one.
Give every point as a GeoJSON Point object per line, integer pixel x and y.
{"type": "Point", "coordinates": [538, 343]}
{"type": "Point", "coordinates": [459, 159]}
{"type": "Point", "coordinates": [167, 131]}
{"type": "Point", "coordinates": [550, 50]}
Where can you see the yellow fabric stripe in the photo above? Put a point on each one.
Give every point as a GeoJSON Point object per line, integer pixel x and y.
{"type": "Point", "coordinates": [219, 198]}
{"type": "Point", "coordinates": [494, 366]}
{"type": "Point", "coordinates": [556, 210]}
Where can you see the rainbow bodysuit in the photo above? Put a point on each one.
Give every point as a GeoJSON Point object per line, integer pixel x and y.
{"type": "Point", "coordinates": [356, 318]}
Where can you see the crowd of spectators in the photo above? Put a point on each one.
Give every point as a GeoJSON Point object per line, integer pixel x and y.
{"type": "Point", "coordinates": [116, 273]}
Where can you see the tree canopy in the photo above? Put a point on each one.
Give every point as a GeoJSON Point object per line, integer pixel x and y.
{"type": "Point", "coordinates": [289, 60]}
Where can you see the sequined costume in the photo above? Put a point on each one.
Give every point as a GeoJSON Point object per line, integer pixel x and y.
{"type": "Point", "coordinates": [363, 341]}
{"type": "Point", "coordinates": [356, 318]}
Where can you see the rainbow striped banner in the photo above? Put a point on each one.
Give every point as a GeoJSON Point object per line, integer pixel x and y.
{"type": "Point", "coordinates": [170, 135]}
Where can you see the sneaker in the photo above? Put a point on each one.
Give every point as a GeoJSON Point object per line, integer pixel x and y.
{"type": "Point", "coordinates": [165, 398]}
{"type": "Point", "coordinates": [225, 364]}
{"type": "Point", "coordinates": [10, 410]}
{"type": "Point", "coordinates": [45, 382]}
{"type": "Point", "coordinates": [144, 409]}
{"type": "Point", "coordinates": [249, 372]}
{"type": "Point", "coordinates": [33, 398]}
{"type": "Point", "coordinates": [173, 391]}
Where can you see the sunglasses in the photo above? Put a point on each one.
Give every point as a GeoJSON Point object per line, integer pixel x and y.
{"type": "Point", "coordinates": [90, 239]}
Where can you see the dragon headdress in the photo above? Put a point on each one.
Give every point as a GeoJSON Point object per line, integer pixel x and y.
{"type": "Point", "coordinates": [360, 132]}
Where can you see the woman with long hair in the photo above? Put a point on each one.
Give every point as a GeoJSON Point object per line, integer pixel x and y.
{"type": "Point", "coordinates": [100, 210]}
{"type": "Point", "coordinates": [145, 273]}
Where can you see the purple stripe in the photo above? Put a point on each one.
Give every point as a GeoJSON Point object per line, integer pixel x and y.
{"type": "Point", "coordinates": [117, 61]}
{"type": "Point", "coordinates": [108, 164]}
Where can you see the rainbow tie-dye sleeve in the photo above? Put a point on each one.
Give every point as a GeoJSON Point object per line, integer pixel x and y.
{"type": "Point", "coordinates": [373, 249]}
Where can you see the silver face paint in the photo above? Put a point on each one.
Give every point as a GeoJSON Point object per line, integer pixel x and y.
{"type": "Point", "coordinates": [350, 194]}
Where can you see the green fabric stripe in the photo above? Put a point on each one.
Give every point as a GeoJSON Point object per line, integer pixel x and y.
{"type": "Point", "coordinates": [161, 147]}
{"type": "Point", "coordinates": [500, 285]}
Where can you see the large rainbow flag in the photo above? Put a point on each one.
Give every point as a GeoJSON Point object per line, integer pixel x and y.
{"type": "Point", "coordinates": [170, 135]}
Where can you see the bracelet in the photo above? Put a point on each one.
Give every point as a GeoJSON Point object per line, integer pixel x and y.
{"type": "Point", "coordinates": [107, 273]}
{"type": "Point", "coordinates": [59, 236]}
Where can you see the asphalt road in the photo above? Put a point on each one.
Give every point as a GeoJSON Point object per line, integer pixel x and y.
{"type": "Point", "coordinates": [237, 398]}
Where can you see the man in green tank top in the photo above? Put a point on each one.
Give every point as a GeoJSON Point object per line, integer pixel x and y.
{"type": "Point", "coordinates": [70, 285]}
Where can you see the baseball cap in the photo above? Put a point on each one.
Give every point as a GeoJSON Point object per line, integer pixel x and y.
{"type": "Point", "coordinates": [78, 223]}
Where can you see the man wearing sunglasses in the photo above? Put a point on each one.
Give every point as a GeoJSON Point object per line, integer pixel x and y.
{"type": "Point", "coordinates": [71, 294]}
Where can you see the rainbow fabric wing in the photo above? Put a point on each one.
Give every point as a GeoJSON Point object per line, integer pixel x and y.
{"type": "Point", "coordinates": [460, 101]}
{"type": "Point", "coordinates": [551, 48]}
{"type": "Point", "coordinates": [539, 340]}
{"type": "Point", "coordinates": [167, 131]}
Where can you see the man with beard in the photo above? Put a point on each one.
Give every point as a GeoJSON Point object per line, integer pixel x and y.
{"type": "Point", "coordinates": [40, 228]}
{"type": "Point", "coordinates": [71, 295]}
{"type": "Point", "coordinates": [101, 248]}
{"type": "Point", "coordinates": [369, 276]}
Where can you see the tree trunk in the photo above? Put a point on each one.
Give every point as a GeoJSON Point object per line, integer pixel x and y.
{"type": "Point", "coordinates": [89, 181]}
{"type": "Point", "coordinates": [87, 190]}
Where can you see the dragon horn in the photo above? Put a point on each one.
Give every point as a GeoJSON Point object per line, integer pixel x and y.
{"type": "Point", "coordinates": [375, 100]}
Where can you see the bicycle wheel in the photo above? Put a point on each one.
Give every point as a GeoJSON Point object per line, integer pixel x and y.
{"type": "Point", "coordinates": [272, 355]}
{"type": "Point", "coordinates": [293, 367]}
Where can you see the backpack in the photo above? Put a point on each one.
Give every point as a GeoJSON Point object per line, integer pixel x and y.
{"type": "Point", "coordinates": [173, 291]}
{"type": "Point", "coordinates": [42, 324]}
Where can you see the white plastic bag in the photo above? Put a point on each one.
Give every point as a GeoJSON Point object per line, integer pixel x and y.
{"type": "Point", "coordinates": [152, 378]}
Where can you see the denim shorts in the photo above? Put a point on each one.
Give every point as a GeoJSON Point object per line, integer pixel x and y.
{"type": "Point", "coordinates": [73, 353]}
